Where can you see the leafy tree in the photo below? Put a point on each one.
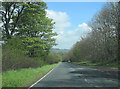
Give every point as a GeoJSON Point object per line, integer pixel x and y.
{"type": "Point", "coordinates": [28, 21]}
{"type": "Point", "coordinates": [27, 31]}
{"type": "Point", "coordinates": [36, 30]}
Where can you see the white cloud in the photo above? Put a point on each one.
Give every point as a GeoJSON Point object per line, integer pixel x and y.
{"type": "Point", "coordinates": [61, 19]}
{"type": "Point", "coordinates": [66, 38]}
{"type": "Point", "coordinates": [83, 29]}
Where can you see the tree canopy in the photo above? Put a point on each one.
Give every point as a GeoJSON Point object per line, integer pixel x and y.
{"type": "Point", "coordinates": [29, 22]}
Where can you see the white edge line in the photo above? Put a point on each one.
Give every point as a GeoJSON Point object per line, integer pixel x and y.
{"type": "Point", "coordinates": [42, 77]}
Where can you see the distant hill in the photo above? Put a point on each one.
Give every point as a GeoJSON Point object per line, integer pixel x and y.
{"type": "Point", "coordinates": [59, 51]}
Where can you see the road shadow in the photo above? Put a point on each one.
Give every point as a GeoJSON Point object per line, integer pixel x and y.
{"type": "Point", "coordinates": [93, 74]}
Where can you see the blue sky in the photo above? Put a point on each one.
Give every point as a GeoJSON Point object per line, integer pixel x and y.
{"type": "Point", "coordinates": [71, 20]}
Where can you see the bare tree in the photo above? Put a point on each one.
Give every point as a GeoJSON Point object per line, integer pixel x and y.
{"type": "Point", "coordinates": [103, 42]}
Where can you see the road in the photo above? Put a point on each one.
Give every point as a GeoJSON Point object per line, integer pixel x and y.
{"type": "Point", "coordinates": [70, 75]}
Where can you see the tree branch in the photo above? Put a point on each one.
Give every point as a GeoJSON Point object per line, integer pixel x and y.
{"type": "Point", "coordinates": [17, 19]}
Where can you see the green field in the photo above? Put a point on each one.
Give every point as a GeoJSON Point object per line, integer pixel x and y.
{"type": "Point", "coordinates": [24, 77]}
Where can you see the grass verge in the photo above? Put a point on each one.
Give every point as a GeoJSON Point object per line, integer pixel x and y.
{"type": "Point", "coordinates": [24, 77]}
{"type": "Point", "coordinates": [88, 63]}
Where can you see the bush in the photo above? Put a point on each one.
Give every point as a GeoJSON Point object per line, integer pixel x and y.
{"type": "Point", "coordinates": [14, 58]}
{"type": "Point", "coordinates": [53, 58]}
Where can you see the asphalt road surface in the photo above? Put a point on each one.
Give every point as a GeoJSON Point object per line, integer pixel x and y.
{"type": "Point", "coordinates": [70, 75]}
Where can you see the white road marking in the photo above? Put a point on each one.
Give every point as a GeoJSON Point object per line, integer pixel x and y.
{"type": "Point", "coordinates": [43, 77]}
{"type": "Point", "coordinates": [72, 69]}
{"type": "Point", "coordinates": [80, 68]}
{"type": "Point", "coordinates": [86, 80]}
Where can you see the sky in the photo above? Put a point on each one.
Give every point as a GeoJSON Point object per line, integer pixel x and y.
{"type": "Point", "coordinates": [71, 20]}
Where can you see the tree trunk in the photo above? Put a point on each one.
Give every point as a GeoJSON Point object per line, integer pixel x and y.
{"type": "Point", "coordinates": [118, 30]}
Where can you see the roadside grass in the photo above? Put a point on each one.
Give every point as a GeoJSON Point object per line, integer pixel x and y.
{"type": "Point", "coordinates": [88, 63]}
{"type": "Point", "coordinates": [24, 77]}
